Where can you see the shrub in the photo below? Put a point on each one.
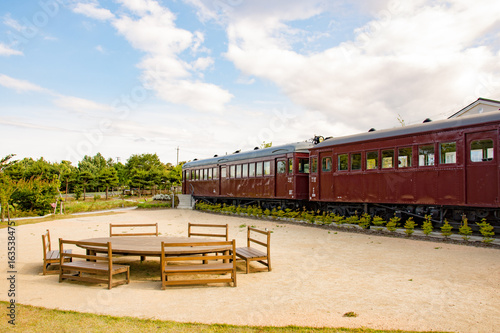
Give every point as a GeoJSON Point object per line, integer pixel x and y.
{"type": "Point", "coordinates": [162, 197]}
{"type": "Point", "coordinates": [378, 222]}
{"type": "Point", "coordinates": [427, 227]}
{"type": "Point", "coordinates": [446, 229]}
{"type": "Point", "coordinates": [97, 197]}
{"type": "Point", "coordinates": [464, 229]}
{"type": "Point", "coordinates": [393, 223]}
{"type": "Point", "coordinates": [486, 230]}
{"type": "Point", "coordinates": [364, 221]}
{"type": "Point", "coordinates": [409, 226]}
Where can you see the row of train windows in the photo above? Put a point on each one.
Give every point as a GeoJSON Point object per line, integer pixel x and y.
{"type": "Point", "coordinates": [480, 151]}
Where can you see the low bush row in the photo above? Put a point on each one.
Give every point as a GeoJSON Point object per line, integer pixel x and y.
{"type": "Point", "coordinates": [364, 220]}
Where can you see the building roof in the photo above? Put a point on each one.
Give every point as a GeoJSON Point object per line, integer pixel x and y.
{"type": "Point", "coordinates": [413, 129]}
{"type": "Point", "coordinates": [490, 102]}
{"type": "Point", "coordinates": [272, 151]}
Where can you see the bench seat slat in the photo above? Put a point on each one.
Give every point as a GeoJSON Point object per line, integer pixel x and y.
{"type": "Point", "coordinates": [198, 268]}
{"type": "Point", "coordinates": [249, 252]}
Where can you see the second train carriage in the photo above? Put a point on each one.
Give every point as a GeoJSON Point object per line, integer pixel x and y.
{"type": "Point", "coordinates": [271, 177]}
{"type": "Point", "coordinates": [444, 168]}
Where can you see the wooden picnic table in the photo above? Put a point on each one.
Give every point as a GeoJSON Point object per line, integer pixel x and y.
{"type": "Point", "coordinates": [150, 246]}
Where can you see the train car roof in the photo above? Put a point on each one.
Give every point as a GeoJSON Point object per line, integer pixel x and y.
{"type": "Point", "coordinates": [413, 129]}
{"type": "Point", "coordinates": [299, 147]}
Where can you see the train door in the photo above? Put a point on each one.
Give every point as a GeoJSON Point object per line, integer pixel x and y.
{"type": "Point", "coordinates": [325, 176]}
{"type": "Point", "coordinates": [482, 170]}
{"type": "Point", "coordinates": [282, 184]}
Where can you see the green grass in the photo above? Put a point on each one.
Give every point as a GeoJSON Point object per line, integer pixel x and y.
{"type": "Point", "coordinates": [38, 319]}
{"type": "Point", "coordinates": [71, 207]}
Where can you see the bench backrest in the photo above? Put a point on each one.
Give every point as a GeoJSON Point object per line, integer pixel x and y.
{"type": "Point", "coordinates": [224, 233]}
{"type": "Point", "coordinates": [266, 243]}
{"type": "Point", "coordinates": [206, 257]}
{"type": "Point", "coordinates": [136, 225]}
{"type": "Point", "coordinates": [46, 243]}
{"type": "Point", "coordinates": [106, 247]}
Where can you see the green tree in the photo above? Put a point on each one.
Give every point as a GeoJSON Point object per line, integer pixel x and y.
{"type": "Point", "coordinates": [5, 162]}
{"type": "Point", "coordinates": [427, 227]}
{"type": "Point", "coordinates": [35, 194]}
{"type": "Point", "coordinates": [84, 179]}
{"type": "Point", "coordinates": [7, 188]}
{"type": "Point", "coordinates": [446, 229]}
{"type": "Point", "coordinates": [108, 177]}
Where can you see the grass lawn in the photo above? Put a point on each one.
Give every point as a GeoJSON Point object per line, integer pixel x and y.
{"type": "Point", "coordinates": [37, 319]}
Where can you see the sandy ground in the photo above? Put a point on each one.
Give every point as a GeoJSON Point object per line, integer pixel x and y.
{"type": "Point", "coordinates": [318, 275]}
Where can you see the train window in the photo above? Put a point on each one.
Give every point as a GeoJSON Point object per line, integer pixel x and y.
{"type": "Point", "coordinates": [223, 172]}
{"type": "Point", "coordinates": [314, 164]}
{"type": "Point", "coordinates": [238, 171]}
{"type": "Point", "coordinates": [372, 160]}
{"type": "Point", "coordinates": [481, 150]}
{"type": "Point", "coordinates": [215, 173]}
{"type": "Point", "coordinates": [290, 165]}
{"type": "Point", "coordinates": [303, 165]}
{"type": "Point", "coordinates": [244, 171]}
{"type": "Point", "coordinates": [210, 174]}
{"type": "Point", "coordinates": [251, 170]}
{"type": "Point", "coordinates": [205, 174]}
{"type": "Point", "coordinates": [267, 168]}
{"type": "Point", "coordinates": [281, 167]}
{"type": "Point", "coordinates": [356, 161]}
{"type": "Point", "coordinates": [343, 162]}
{"type": "Point", "coordinates": [387, 159]}
{"type": "Point", "coordinates": [404, 157]}
{"type": "Point", "coordinates": [258, 171]}
{"type": "Point", "coordinates": [426, 155]}
{"type": "Point", "coordinates": [326, 164]}
{"type": "Point", "coordinates": [198, 174]}
{"type": "Point", "coordinates": [232, 171]}
{"type": "Point", "coordinates": [448, 152]}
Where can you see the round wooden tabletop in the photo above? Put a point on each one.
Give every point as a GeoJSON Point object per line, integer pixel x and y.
{"type": "Point", "coordinates": [151, 246]}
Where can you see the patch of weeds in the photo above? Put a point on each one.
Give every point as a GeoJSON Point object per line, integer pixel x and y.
{"type": "Point", "coordinates": [350, 314]}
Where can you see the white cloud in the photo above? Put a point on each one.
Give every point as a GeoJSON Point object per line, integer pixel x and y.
{"type": "Point", "coordinates": [80, 105]}
{"type": "Point", "coordinates": [410, 61]}
{"type": "Point", "coordinates": [7, 51]}
{"type": "Point", "coordinates": [19, 85]}
{"type": "Point", "coordinates": [91, 10]}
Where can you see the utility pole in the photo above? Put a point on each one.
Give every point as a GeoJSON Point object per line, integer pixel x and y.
{"type": "Point", "coordinates": [177, 155]}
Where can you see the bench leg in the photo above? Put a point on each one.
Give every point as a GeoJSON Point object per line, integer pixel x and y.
{"type": "Point", "coordinates": [248, 266]}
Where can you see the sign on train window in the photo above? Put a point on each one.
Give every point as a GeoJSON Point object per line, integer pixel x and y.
{"type": "Point", "coordinates": [404, 157]}
{"type": "Point", "coordinates": [387, 159]}
{"type": "Point", "coordinates": [372, 160]}
{"type": "Point", "coordinates": [267, 168]}
{"type": "Point", "coordinates": [326, 164]}
{"type": "Point", "coordinates": [448, 153]}
{"type": "Point", "coordinates": [356, 161]}
{"type": "Point", "coordinates": [314, 164]}
{"type": "Point", "coordinates": [303, 165]}
{"type": "Point", "coordinates": [251, 170]}
{"type": "Point", "coordinates": [426, 155]}
{"type": "Point", "coordinates": [281, 167]}
{"type": "Point", "coordinates": [343, 162]}
{"type": "Point", "coordinates": [481, 150]}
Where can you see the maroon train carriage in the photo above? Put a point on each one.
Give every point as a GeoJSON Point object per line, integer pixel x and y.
{"type": "Point", "coordinates": [444, 168]}
{"type": "Point", "coordinates": [269, 177]}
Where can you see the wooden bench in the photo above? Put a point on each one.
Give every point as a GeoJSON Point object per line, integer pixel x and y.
{"type": "Point", "coordinates": [50, 257]}
{"type": "Point", "coordinates": [210, 233]}
{"type": "Point", "coordinates": [249, 253]}
{"type": "Point", "coordinates": [224, 234]}
{"type": "Point", "coordinates": [134, 225]}
{"type": "Point", "coordinates": [91, 264]}
{"type": "Point", "coordinates": [190, 265]}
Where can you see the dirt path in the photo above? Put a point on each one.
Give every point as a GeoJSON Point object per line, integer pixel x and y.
{"type": "Point", "coordinates": [318, 275]}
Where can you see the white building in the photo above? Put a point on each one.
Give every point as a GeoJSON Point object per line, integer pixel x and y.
{"type": "Point", "coordinates": [481, 105]}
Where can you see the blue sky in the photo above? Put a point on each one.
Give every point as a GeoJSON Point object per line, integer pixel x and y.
{"type": "Point", "coordinates": [127, 77]}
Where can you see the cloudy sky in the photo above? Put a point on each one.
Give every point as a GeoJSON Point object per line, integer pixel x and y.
{"type": "Point", "coordinates": [127, 77]}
